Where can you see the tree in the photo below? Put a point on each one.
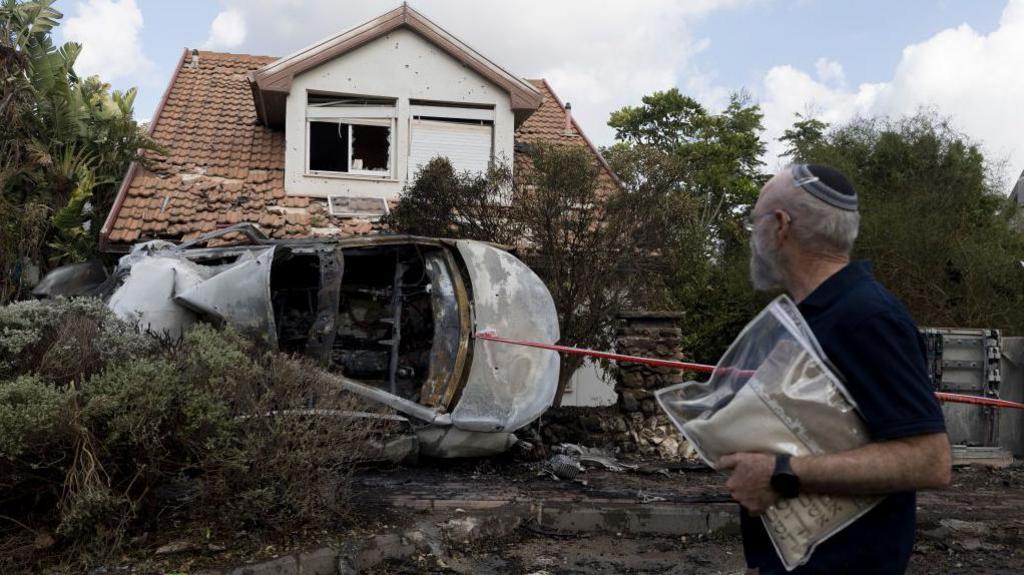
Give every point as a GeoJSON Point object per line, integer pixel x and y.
{"type": "Point", "coordinates": [710, 165]}
{"type": "Point", "coordinates": [588, 242]}
{"type": "Point", "coordinates": [805, 134]}
{"type": "Point", "coordinates": [934, 217]}
{"type": "Point", "coordinates": [65, 143]}
{"type": "Point", "coordinates": [441, 202]}
{"type": "Point", "coordinates": [714, 159]}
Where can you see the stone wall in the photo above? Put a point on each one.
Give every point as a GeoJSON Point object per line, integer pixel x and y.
{"type": "Point", "coordinates": [647, 334]}
{"type": "Point", "coordinates": [636, 424]}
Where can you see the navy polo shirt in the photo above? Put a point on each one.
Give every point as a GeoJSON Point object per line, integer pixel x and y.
{"type": "Point", "coordinates": [870, 338]}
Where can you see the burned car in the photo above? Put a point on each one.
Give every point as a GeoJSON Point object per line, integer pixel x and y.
{"type": "Point", "coordinates": [393, 317]}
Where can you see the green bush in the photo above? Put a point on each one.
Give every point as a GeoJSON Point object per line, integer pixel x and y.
{"type": "Point", "coordinates": [284, 461]}
{"type": "Point", "coordinates": [103, 429]}
{"type": "Point", "coordinates": [30, 414]}
{"type": "Point", "coordinates": [65, 340]}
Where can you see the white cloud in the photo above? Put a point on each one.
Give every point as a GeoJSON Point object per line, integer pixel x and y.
{"type": "Point", "coordinates": [598, 54]}
{"type": "Point", "coordinates": [830, 72]}
{"type": "Point", "coordinates": [226, 31]}
{"type": "Point", "coordinates": [973, 78]}
{"type": "Point", "coordinates": [109, 33]}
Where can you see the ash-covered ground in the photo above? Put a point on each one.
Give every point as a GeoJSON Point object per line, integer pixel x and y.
{"type": "Point", "coordinates": [975, 526]}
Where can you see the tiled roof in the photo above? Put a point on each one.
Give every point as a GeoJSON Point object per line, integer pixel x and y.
{"type": "Point", "coordinates": [547, 124]}
{"type": "Point", "coordinates": [222, 168]}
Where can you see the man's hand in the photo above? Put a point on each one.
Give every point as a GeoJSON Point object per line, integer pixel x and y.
{"type": "Point", "coordinates": [750, 482]}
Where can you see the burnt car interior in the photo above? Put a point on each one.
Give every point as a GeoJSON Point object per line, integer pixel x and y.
{"type": "Point", "coordinates": [382, 320]}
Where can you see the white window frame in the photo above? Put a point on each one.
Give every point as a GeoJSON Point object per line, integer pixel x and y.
{"type": "Point", "coordinates": [389, 123]}
{"type": "Point", "coordinates": [358, 115]}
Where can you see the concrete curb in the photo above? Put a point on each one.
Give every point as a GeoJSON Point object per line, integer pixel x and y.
{"type": "Point", "coordinates": [435, 535]}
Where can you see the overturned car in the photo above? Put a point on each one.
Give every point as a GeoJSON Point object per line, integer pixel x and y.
{"type": "Point", "coordinates": [393, 317]}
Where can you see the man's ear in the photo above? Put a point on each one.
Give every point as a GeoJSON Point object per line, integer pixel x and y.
{"type": "Point", "coordinates": [783, 224]}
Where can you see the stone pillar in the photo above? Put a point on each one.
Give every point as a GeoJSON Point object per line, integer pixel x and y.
{"type": "Point", "coordinates": [647, 334]}
{"type": "Point", "coordinates": [655, 335]}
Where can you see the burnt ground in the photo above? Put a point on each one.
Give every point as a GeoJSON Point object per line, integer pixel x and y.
{"type": "Point", "coordinates": [975, 526]}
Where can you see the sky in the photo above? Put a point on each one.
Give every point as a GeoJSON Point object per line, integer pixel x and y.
{"type": "Point", "coordinates": [833, 59]}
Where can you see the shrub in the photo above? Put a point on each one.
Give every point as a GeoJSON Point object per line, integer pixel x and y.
{"type": "Point", "coordinates": [65, 340]}
{"type": "Point", "coordinates": [29, 415]}
{"type": "Point", "coordinates": [292, 451]}
{"type": "Point", "coordinates": [103, 429]}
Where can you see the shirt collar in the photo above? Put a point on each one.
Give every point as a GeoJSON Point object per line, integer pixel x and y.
{"type": "Point", "coordinates": [837, 284]}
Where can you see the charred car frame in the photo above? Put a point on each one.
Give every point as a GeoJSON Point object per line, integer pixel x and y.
{"type": "Point", "coordinates": [392, 317]}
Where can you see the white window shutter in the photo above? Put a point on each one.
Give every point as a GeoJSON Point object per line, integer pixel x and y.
{"type": "Point", "coordinates": [467, 146]}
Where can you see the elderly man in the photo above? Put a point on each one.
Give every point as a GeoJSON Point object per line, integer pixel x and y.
{"type": "Point", "coordinates": [804, 225]}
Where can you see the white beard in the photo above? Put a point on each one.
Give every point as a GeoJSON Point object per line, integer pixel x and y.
{"type": "Point", "coordinates": [765, 265]}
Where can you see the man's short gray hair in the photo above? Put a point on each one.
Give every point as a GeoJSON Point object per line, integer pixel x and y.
{"type": "Point", "coordinates": [819, 226]}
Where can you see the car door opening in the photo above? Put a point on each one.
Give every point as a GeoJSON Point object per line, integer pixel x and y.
{"type": "Point", "coordinates": [395, 321]}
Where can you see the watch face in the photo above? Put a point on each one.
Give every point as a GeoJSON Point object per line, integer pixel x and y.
{"type": "Point", "coordinates": [786, 484]}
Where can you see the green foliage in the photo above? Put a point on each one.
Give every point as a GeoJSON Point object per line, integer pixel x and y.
{"type": "Point", "coordinates": [714, 158]}
{"type": "Point", "coordinates": [65, 143]}
{"type": "Point", "coordinates": [706, 166]}
{"type": "Point", "coordinates": [65, 341]}
{"type": "Point", "coordinates": [98, 424]}
{"type": "Point", "coordinates": [805, 134]}
{"type": "Point", "coordinates": [133, 405]}
{"type": "Point", "coordinates": [440, 202]}
{"type": "Point", "coordinates": [934, 219]}
{"type": "Point", "coordinates": [30, 410]}
{"type": "Point", "coordinates": [279, 467]}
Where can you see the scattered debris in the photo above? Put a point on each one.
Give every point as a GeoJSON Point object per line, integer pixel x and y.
{"type": "Point", "coordinates": [570, 460]}
{"type": "Point", "coordinates": [562, 466]}
{"type": "Point", "coordinates": [176, 547]}
{"type": "Point", "coordinates": [648, 498]}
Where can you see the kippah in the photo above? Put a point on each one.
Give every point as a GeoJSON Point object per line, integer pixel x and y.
{"type": "Point", "coordinates": [825, 183]}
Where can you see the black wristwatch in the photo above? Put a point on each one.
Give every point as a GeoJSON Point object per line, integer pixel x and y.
{"type": "Point", "coordinates": [784, 481]}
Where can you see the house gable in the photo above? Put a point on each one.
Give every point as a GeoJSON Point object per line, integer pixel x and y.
{"type": "Point", "coordinates": [271, 83]}
{"type": "Point", "coordinates": [403, 73]}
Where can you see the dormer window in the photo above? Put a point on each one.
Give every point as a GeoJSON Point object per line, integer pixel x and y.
{"type": "Point", "coordinates": [350, 136]}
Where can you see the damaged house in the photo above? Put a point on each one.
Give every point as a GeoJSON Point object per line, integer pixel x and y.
{"type": "Point", "coordinates": [315, 144]}
{"type": "Point", "coordinates": [304, 154]}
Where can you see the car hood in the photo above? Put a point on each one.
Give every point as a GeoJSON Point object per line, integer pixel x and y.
{"type": "Point", "coordinates": [507, 387]}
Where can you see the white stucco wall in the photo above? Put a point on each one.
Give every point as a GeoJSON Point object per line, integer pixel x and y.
{"type": "Point", "coordinates": [400, 65]}
{"type": "Point", "coordinates": [590, 386]}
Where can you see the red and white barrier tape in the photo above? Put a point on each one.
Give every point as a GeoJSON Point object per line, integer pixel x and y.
{"type": "Point", "coordinates": [703, 368]}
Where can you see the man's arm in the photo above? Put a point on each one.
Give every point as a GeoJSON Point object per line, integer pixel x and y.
{"type": "Point", "coordinates": [905, 464]}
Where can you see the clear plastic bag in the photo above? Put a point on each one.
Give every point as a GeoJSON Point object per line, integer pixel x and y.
{"type": "Point", "coordinates": [774, 392]}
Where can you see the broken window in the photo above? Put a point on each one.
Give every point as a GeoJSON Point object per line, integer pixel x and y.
{"type": "Point", "coordinates": [351, 135]}
{"type": "Point", "coordinates": [370, 149]}
{"type": "Point", "coordinates": [363, 148]}
{"type": "Point", "coordinates": [328, 147]}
